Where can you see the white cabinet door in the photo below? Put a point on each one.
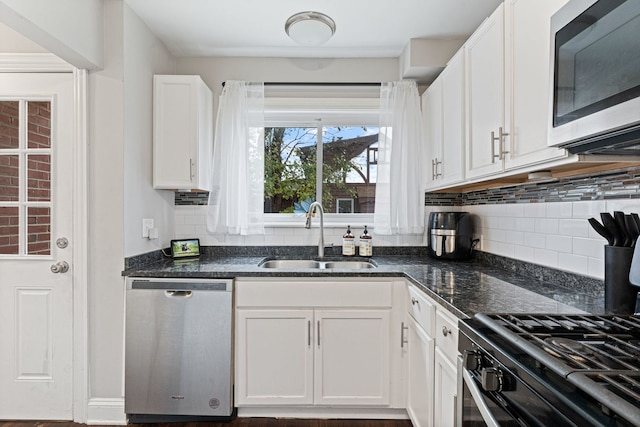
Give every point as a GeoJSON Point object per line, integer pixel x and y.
{"type": "Point", "coordinates": [452, 142]}
{"type": "Point", "coordinates": [432, 113]}
{"type": "Point", "coordinates": [484, 64]}
{"type": "Point", "coordinates": [352, 357]}
{"type": "Point", "coordinates": [528, 62]}
{"type": "Point", "coordinates": [274, 363]}
{"type": "Point", "coordinates": [182, 132]}
{"type": "Point", "coordinates": [445, 394]}
{"type": "Point", "coordinates": [420, 376]}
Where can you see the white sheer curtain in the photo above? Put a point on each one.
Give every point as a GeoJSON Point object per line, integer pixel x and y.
{"type": "Point", "coordinates": [399, 206]}
{"type": "Point", "coordinates": [236, 199]}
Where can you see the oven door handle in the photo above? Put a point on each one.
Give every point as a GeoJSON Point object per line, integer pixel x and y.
{"type": "Point", "coordinates": [488, 418]}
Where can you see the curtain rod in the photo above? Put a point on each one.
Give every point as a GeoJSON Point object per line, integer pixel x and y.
{"type": "Point", "coordinates": [319, 84]}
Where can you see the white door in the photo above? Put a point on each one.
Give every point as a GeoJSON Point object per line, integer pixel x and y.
{"type": "Point", "coordinates": [352, 365]}
{"type": "Point", "coordinates": [36, 164]}
{"type": "Point", "coordinates": [446, 389]}
{"type": "Point", "coordinates": [420, 396]}
{"type": "Point", "coordinates": [275, 357]}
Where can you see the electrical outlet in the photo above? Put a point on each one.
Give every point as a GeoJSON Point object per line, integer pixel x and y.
{"type": "Point", "coordinates": [147, 224]}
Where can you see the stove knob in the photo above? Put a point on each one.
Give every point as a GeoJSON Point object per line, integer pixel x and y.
{"type": "Point", "coordinates": [471, 360]}
{"type": "Point", "coordinates": [492, 379]}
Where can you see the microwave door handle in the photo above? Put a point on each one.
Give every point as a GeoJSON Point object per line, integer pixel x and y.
{"type": "Point", "coordinates": [488, 418]}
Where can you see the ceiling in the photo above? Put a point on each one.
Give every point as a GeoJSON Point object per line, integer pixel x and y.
{"type": "Point", "coordinates": [365, 28]}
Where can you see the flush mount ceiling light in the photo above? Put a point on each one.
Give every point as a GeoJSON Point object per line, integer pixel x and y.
{"type": "Point", "coordinates": [310, 28]}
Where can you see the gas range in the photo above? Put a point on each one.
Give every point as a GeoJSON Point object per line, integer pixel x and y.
{"type": "Point", "coordinates": [545, 370]}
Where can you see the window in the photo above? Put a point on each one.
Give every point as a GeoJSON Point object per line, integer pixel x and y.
{"type": "Point", "coordinates": [321, 149]}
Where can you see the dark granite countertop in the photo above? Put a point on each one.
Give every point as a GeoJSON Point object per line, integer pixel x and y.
{"type": "Point", "coordinates": [463, 287]}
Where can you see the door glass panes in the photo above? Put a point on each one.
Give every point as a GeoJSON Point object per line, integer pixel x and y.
{"type": "Point", "coordinates": [38, 231]}
{"type": "Point", "coordinates": [9, 177]}
{"type": "Point", "coordinates": [9, 230]}
{"type": "Point", "coordinates": [39, 125]}
{"type": "Point", "coordinates": [25, 177]}
{"type": "Point", "coordinates": [39, 177]}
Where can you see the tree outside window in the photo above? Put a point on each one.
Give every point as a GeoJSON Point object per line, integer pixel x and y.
{"type": "Point", "coordinates": [347, 164]}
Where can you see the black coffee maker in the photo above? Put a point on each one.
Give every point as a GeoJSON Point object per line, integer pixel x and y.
{"type": "Point", "coordinates": [450, 235]}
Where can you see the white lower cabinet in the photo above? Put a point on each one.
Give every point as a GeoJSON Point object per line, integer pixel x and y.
{"type": "Point", "coordinates": [445, 395]}
{"type": "Point", "coordinates": [336, 354]}
{"type": "Point", "coordinates": [431, 367]}
{"type": "Point", "coordinates": [420, 379]}
{"type": "Point", "coordinates": [276, 363]}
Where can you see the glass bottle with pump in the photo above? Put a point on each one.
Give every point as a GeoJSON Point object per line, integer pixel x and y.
{"type": "Point", "coordinates": [366, 244]}
{"type": "Point", "coordinates": [348, 243]}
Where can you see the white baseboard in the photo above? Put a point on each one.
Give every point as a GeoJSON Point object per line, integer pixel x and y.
{"type": "Point", "coordinates": [105, 411]}
{"type": "Point", "coordinates": [322, 413]}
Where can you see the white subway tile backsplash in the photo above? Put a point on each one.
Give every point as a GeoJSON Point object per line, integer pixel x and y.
{"type": "Point", "coordinates": [545, 257]}
{"type": "Point", "coordinates": [559, 210]}
{"type": "Point", "coordinates": [592, 248]}
{"type": "Point", "coordinates": [588, 209]}
{"type": "Point", "coordinates": [574, 228]}
{"type": "Point", "coordinates": [573, 263]}
{"type": "Point", "coordinates": [523, 253]}
{"type": "Point", "coordinates": [535, 210]}
{"type": "Point", "coordinates": [525, 224]}
{"type": "Point", "coordinates": [185, 230]}
{"type": "Point", "coordinates": [596, 268]}
{"type": "Point", "coordinates": [559, 243]}
{"type": "Point", "coordinates": [535, 240]}
{"type": "Point", "coordinates": [547, 225]}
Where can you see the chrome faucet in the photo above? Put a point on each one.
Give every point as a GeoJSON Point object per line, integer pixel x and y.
{"type": "Point", "coordinates": [317, 206]}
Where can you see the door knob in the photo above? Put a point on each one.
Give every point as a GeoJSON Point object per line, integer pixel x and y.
{"type": "Point", "coordinates": [60, 267]}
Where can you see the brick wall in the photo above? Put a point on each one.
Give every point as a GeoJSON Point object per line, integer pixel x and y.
{"type": "Point", "coordinates": [38, 176]}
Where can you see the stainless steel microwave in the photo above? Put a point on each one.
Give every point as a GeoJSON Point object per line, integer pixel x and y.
{"type": "Point", "coordinates": [595, 77]}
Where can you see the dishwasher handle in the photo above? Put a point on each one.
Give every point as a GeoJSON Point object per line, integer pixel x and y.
{"type": "Point", "coordinates": [178, 294]}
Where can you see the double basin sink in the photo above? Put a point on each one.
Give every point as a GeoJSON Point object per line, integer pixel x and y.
{"type": "Point", "coordinates": [318, 265]}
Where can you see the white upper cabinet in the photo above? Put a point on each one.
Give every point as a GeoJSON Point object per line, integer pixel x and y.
{"type": "Point", "coordinates": [507, 74]}
{"type": "Point", "coordinates": [527, 66]}
{"type": "Point", "coordinates": [443, 110]}
{"type": "Point", "coordinates": [182, 133]}
{"type": "Point", "coordinates": [484, 61]}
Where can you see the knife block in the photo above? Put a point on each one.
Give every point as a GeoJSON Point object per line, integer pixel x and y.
{"type": "Point", "coordinates": [619, 295]}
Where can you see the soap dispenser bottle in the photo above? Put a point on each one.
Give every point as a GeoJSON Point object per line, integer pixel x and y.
{"type": "Point", "coordinates": [348, 243]}
{"type": "Point", "coordinates": [366, 244]}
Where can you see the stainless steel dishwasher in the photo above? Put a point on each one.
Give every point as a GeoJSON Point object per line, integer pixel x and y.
{"type": "Point", "coordinates": [178, 354]}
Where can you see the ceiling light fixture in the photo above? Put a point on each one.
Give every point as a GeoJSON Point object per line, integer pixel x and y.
{"type": "Point", "coordinates": [310, 28]}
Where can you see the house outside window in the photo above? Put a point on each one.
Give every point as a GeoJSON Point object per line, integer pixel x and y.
{"type": "Point", "coordinates": [321, 146]}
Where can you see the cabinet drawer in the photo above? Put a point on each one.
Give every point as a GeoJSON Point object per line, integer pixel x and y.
{"type": "Point", "coordinates": [313, 293]}
{"type": "Point", "coordinates": [446, 334]}
{"type": "Point", "coordinates": [421, 309]}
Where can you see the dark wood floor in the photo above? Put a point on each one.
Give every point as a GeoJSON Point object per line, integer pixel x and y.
{"type": "Point", "coordinates": [239, 422]}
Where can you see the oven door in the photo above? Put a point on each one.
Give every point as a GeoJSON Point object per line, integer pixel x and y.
{"type": "Point", "coordinates": [478, 408]}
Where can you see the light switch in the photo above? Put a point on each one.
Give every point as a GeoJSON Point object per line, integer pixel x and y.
{"type": "Point", "coordinates": [147, 224]}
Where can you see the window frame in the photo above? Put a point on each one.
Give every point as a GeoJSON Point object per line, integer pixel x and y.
{"type": "Point", "coordinates": [313, 110]}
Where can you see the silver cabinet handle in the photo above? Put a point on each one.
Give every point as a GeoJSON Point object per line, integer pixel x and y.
{"type": "Point", "coordinates": [500, 140]}
{"type": "Point", "coordinates": [402, 340]}
{"type": "Point", "coordinates": [191, 168]}
{"type": "Point", "coordinates": [433, 169]}
{"type": "Point", "coordinates": [438, 162]}
{"type": "Point", "coordinates": [501, 136]}
{"type": "Point", "coordinates": [178, 294]}
{"type": "Point", "coordinates": [60, 267]}
{"type": "Point", "coordinates": [446, 331]}
{"type": "Point", "coordinates": [414, 301]}
{"type": "Point", "coordinates": [494, 156]}
{"type": "Point", "coordinates": [318, 334]}
{"type": "Point", "coordinates": [309, 333]}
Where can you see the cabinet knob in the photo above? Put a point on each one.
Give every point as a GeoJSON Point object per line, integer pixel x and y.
{"type": "Point", "coordinates": [414, 301]}
{"type": "Point", "coordinates": [446, 331]}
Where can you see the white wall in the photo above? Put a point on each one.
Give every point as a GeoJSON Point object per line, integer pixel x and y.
{"type": "Point", "coordinates": [13, 42]}
{"type": "Point", "coordinates": [144, 56]}
{"type": "Point", "coordinates": [106, 212]}
{"type": "Point", "coordinates": [75, 34]}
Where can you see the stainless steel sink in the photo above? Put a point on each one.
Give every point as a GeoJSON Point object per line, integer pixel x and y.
{"type": "Point", "coordinates": [291, 263]}
{"type": "Point", "coordinates": [305, 263]}
{"type": "Point", "coordinates": [356, 265]}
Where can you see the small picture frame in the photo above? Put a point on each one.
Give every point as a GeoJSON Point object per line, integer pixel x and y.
{"type": "Point", "coordinates": [185, 248]}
